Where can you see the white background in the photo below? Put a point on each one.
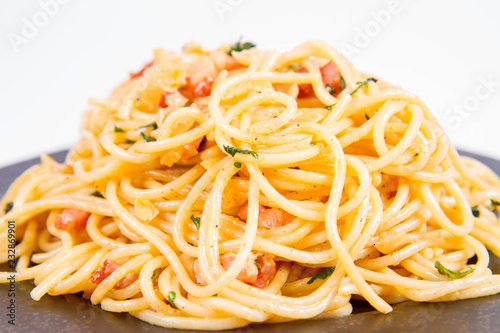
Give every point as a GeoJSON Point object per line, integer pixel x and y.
{"type": "Point", "coordinates": [441, 50]}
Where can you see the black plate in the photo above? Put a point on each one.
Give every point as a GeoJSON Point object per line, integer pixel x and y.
{"type": "Point", "coordinates": [71, 313]}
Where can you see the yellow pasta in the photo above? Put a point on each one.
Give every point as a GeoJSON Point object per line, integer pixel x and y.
{"type": "Point", "coordinates": [214, 189]}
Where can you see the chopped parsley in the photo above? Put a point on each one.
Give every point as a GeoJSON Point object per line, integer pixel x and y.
{"type": "Point", "coordinates": [323, 274]}
{"type": "Point", "coordinates": [342, 83]}
{"type": "Point", "coordinates": [331, 90]}
{"type": "Point", "coordinates": [237, 164]}
{"type": "Point", "coordinates": [233, 151]}
{"type": "Point", "coordinates": [294, 66]}
{"type": "Point", "coordinates": [329, 107]}
{"type": "Point", "coordinates": [171, 299]}
{"type": "Point", "coordinates": [495, 204]}
{"type": "Point", "coordinates": [196, 221]}
{"type": "Point", "coordinates": [452, 274]}
{"type": "Point", "coordinates": [129, 141]}
{"type": "Point", "coordinates": [238, 46]}
{"type": "Point", "coordinates": [367, 116]}
{"type": "Point", "coordinates": [475, 211]}
{"type": "Point", "coordinates": [147, 138]}
{"type": "Point", "coordinates": [97, 194]}
{"type": "Point", "coordinates": [202, 143]}
{"type": "Point", "coordinates": [361, 84]}
{"type": "Point", "coordinates": [153, 124]}
{"type": "Point", "coordinates": [314, 143]}
{"type": "Point", "coordinates": [257, 264]}
{"type": "Point", "coordinates": [155, 272]}
{"type": "Point", "coordinates": [416, 154]}
{"type": "Point", "coordinates": [118, 129]}
{"type": "Point", "coordinates": [8, 207]}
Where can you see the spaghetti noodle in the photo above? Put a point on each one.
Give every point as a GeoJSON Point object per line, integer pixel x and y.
{"type": "Point", "coordinates": [216, 189]}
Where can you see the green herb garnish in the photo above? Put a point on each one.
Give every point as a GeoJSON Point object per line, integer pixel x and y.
{"type": "Point", "coordinates": [233, 151]}
{"type": "Point", "coordinates": [237, 164]}
{"type": "Point", "coordinates": [331, 90]}
{"type": "Point", "coordinates": [129, 141]}
{"type": "Point", "coordinates": [367, 116]}
{"type": "Point", "coordinates": [361, 84]}
{"type": "Point", "coordinates": [416, 154]}
{"type": "Point", "coordinates": [314, 143]}
{"type": "Point", "coordinates": [238, 46]}
{"type": "Point", "coordinates": [294, 66]}
{"type": "Point", "coordinates": [97, 194]}
{"type": "Point", "coordinates": [171, 299]}
{"type": "Point", "coordinates": [196, 221]}
{"type": "Point", "coordinates": [118, 129]}
{"type": "Point", "coordinates": [147, 138]}
{"type": "Point", "coordinates": [452, 274]}
{"type": "Point", "coordinates": [342, 83]}
{"type": "Point", "coordinates": [329, 107]}
{"type": "Point", "coordinates": [475, 211]}
{"type": "Point", "coordinates": [323, 274]}
{"type": "Point", "coordinates": [8, 207]}
{"type": "Point", "coordinates": [153, 124]}
{"type": "Point", "coordinates": [495, 204]}
{"type": "Point", "coordinates": [155, 272]}
{"type": "Point", "coordinates": [257, 264]}
{"type": "Point", "coordinates": [202, 142]}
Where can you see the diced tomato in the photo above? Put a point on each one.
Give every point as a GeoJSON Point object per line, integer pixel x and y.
{"type": "Point", "coordinates": [249, 272]}
{"type": "Point", "coordinates": [266, 271]}
{"type": "Point", "coordinates": [269, 218]}
{"type": "Point", "coordinates": [258, 271]}
{"type": "Point", "coordinates": [305, 89]}
{"type": "Point", "coordinates": [71, 219]}
{"type": "Point", "coordinates": [331, 76]}
{"type": "Point", "coordinates": [104, 271]}
{"type": "Point", "coordinates": [203, 88]}
{"type": "Point", "coordinates": [109, 267]}
{"type": "Point", "coordinates": [139, 73]}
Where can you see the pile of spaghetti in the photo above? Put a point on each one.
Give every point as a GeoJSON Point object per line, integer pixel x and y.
{"type": "Point", "coordinates": [216, 189]}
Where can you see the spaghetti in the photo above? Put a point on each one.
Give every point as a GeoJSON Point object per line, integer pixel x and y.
{"type": "Point", "coordinates": [216, 189]}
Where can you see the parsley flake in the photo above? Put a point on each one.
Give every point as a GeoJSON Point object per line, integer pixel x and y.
{"type": "Point", "coordinates": [97, 194]}
{"type": "Point", "coordinates": [361, 84]}
{"type": "Point", "coordinates": [367, 116]}
{"type": "Point", "coordinates": [233, 151]}
{"type": "Point", "coordinates": [323, 274]}
{"type": "Point", "coordinates": [238, 46]}
{"type": "Point", "coordinates": [475, 211]}
{"type": "Point", "coordinates": [171, 299]}
{"type": "Point", "coordinates": [155, 272]}
{"type": "Point", "coordinates": [237, 164]}
{"type": "Point", "coordinates": [329, 107]}
{"type": "Point", "coordinates": [342, 83]}
{"type": "Point", "coordinates": [8, 207]}
{"type": "Point", "coordinates": [147, 138]}
{"type": "Point", "coordinates": [331, 90]}
{"type": "Point", "coordinates": [129, 141]}
{"type": "Point", "coordinates": [495, 204]}
{"type": "Point", "coordinates": [118, 129]}
{"type": "Point", "coordinates": [452, 274]}
{"type": "Point", "coordinates": [196, 221]}
{"type": "Point", "coordinates": [153, 124]}
{"type": "Point", "coordinates": [257, 264]}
